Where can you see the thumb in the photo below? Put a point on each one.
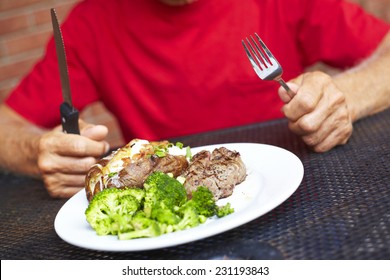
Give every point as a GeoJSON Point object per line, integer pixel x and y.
{"type": "Point", "coordinates": [96, 133]}
{"type": "Point", "coordinates": [92, 131]}
{"type": "Point", "coordinates": [284, 95]}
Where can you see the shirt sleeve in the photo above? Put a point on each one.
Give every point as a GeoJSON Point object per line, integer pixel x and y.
{"type": "Point", "coordinates": [338, 32]}
{"type": "Point", "coordinates": [38, 96]}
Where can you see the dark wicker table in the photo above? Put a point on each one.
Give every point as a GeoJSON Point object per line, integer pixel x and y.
{"type": "Point", "coordinates": [341, 210]}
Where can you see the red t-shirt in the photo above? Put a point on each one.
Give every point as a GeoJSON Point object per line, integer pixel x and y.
{"type": "Point", "coordinates": [167, 71]}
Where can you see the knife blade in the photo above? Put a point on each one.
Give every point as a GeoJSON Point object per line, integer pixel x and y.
{"type": "Point", "coordinates": [69, 114]}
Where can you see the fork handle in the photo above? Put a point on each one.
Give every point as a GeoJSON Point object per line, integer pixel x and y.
{"type": "Point", "coordinates": [286, 87]}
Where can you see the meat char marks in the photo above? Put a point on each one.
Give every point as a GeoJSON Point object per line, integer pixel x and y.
{"type": "Point", "coordinates": [220, 171]}
{"type": "Point", "coordinates": [135, 174]}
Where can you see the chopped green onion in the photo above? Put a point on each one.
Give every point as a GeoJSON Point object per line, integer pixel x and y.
{"type": "Point", "coordinates": [112, 174]}
{"type": "Point", "coordinates": [188, 152]}
{"type": "Point", "coordinates": [160, 153]}
{"type": "Point", "coordinates": [179, 145]}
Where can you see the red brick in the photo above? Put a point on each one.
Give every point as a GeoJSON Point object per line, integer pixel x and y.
{"type": "Point", "coordinates": [42, 16]}
{"type": "Point", "coordinates": [12, 4]}
{"type": "Point", "coordinates": [6, 89]}
{"type": "Point", "coordinates": [380, 8]}
{"type": "Point", "coordinates": [13, 23]}
{"type": "Point", "coordinates": [18, 68]}
{"type": "Point", "coordinates": [28, 42]}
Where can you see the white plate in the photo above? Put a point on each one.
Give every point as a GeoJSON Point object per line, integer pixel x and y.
{"type": "Point", "coordinates": [273, 175]}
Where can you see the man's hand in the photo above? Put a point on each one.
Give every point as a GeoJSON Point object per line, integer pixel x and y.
{"type": "Point", "coordinates": [64, 159]}
{"type": "Point", "coordinates": [318, 112]}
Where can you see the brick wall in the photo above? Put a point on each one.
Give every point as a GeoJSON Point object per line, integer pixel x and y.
{"type": "Point", "coordinates": [25, 27]}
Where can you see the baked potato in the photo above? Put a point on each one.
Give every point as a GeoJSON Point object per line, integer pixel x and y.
{"type": "Point", "coordinates": [130, 165]}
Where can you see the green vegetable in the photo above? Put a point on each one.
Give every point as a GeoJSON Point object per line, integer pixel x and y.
{"type": "Point", "coordinates": [189, 218]}
{"type": "Point", "coordinates": [162, 194]}
{"type": "Point", "coordinates": [143, 227]}
{"type": "Point", "coordinates": [225, 210]}
{"type": "Point", "coordinates": [162, 206]}
{"type": "Point", "coordinates": [110, 210]}
{"type": "Point", "coordinates": [203, 201]}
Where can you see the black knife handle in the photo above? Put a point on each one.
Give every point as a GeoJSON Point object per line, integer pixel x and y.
{"type": "Point", "coordinates": [69, 119]}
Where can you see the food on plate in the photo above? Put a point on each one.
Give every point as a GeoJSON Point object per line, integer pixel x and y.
{"type": "Point", "coordinates": [146, 189]}
{"type": "Point", "coordinates": [129, 165]}
{"type": "Point", "coordinates": [162, 206]}
{"type": "Point", "coordinates": [220, 170]}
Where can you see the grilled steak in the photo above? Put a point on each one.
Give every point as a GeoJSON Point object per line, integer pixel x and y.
{"type": "Point", "coordinates": [135, 173]}
{"type": "Point", "coordinates": [130, 165]}
{"type": "Point", "coordinates": [220, 171]}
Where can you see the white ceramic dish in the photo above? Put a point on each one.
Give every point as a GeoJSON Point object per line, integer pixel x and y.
{"type": "Point", "coordinates": [273, 175]}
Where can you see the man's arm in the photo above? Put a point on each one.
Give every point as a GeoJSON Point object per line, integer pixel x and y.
{"type": "Point", "coordinates": [19, 143]}
{"type": "Point", "coordinates": [324, 108]}
{"type": "Point", "coordinates": [367, 86]}
{"type": "Point", "coordinates": [60, 159]}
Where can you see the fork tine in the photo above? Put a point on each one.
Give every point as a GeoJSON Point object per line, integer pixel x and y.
{"type": "Point", "coordinates": [249, 55]}
{"type": "Point", "coordinates": [266, 50]}
{"type": "Point", "coordinates": [265, 61]}
{"type": "Point", "coordinates": [260, 62]}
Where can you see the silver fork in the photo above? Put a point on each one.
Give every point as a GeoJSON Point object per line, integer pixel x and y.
{"type": "Point", "coordinates": [264, 63]}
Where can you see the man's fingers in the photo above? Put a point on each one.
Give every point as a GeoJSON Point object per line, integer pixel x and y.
{"type": "Point", "coordinates": [68, 165]}
{"type": "Point", "coordinates": [61, 185]}
{"type": "Point", "coordinates": [334, 130]}
{"type": "Point", "coordinates": [72, 145]}
{"type": "Point", "coordinates": [96, 132]}
{"type": "Point", "coordinates": [312, 87]}
{"type": "Point", "coordinates": [304, 102]}
{"type": "Point", "coordinates": [284, 95]}
{"type": "Point", "coordinates": [65, 192]}
{"type": "Point", "coordinates": [336, 137]}
{"type": "Point", "coordinates": [64, 159]}
{"type": "Point", "coordinates": [331, 107]}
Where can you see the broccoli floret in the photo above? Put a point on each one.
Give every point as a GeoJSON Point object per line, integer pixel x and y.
{"type": "Point", "coordinates": [120, 223]}
{"type": "Point", "coordinates": [143, 227]}
{"type": "Point", "coordinates": [164, 215]}
{"type": "Point", "coordinates": [189, 217]}
{"type": "Point", "coordinates": [165, 188]}
{"type": "Point", "coordinates": [152, 231]}
{"type": "Point", "coordinates": [205, 205]}
{"type": "Point", "coordinates": [110, 210]}
{"type": "Point", "coordinates": [161, 207]}
{"type": "Point", "coordinates": [196, 210]}
{"type": "Point", "coordinates": [225, 210]}
{"type": "Point", "coordinates": [138, 193]}
{"type": "Point", "coordinates": [203, 201]}
{"type": "Point", "coordinates": [163, 194]}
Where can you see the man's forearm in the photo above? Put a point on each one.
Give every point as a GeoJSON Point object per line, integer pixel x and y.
{"type": "Point", "coordinates": [367, 86]}
{"type": "Point", "coordinates": [18, 144]}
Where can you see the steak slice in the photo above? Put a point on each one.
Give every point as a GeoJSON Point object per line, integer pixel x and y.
{"type": "Point", "coordinates": [135, 173]}
{"type": "Point", "coordinates": [220, 171]}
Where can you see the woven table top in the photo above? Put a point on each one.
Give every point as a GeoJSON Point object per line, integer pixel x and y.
{"type": "Point", "coordinates": [341, 210]}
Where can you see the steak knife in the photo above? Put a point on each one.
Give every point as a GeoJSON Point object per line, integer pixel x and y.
{"type": "Point", "coordinates": [69, 114]}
